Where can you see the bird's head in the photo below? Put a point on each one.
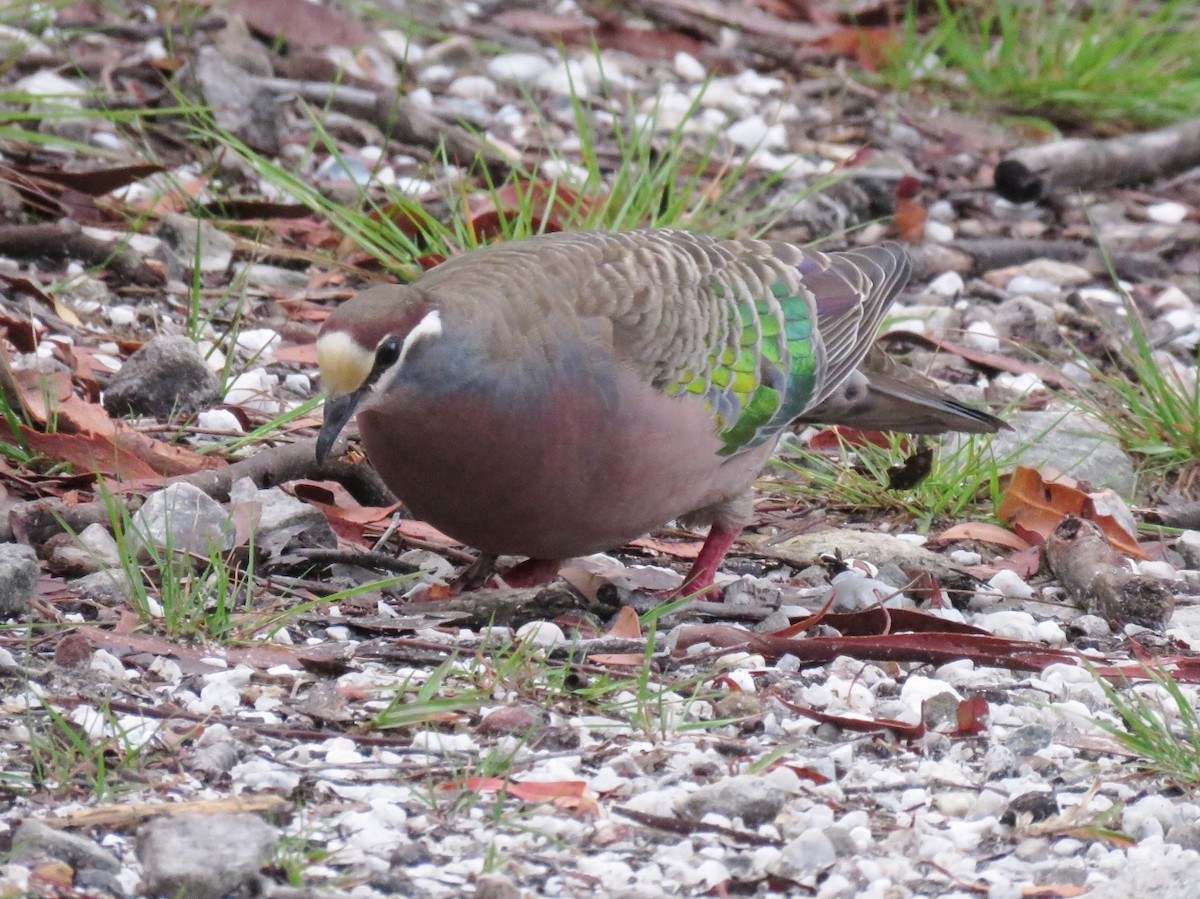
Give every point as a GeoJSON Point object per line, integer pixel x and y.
{"type": "Point", "coordinates": [362, 346]}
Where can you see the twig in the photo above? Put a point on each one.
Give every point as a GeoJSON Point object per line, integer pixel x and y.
{"type": "Point", "coordinates": [1099, 581]}
{"type": "Point", "coordinates": [1035, 173]}
{"type": "Point", "coordinates": [65, 239]}
{"type": "Point", "coordinates": [686, 827]}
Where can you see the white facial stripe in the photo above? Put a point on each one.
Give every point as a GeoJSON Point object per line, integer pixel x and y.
{"type": "Point", "coordinates": [429, 326]}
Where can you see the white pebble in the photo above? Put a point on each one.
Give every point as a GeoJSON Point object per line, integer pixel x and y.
{"type": "Point", "coordinates": [756, 85]}
{"type": "Point", "coordinates": [965, 557]}
{"type": "Point", "coordinates": [1173, 298]}
{"type": "Point", "coordinates": [947, 284]}
{"type": "Point", "coordinates": [1166, 213]}
{"type": "Point", "coordinates": [754, 132]}
{"type": "Point", "coordinates": [541, 633]}
{"type": "Point", "coordinates": [473, 87]}
{"type": "Point", "coordinates": [258, 342]}
{"type": "Point", "coordinates": [439, 74]}
{"type": "Point", "coordinates": [219, 420]}
{"type": "Point", "coordinates": [1050, 633]}
{"type": "Point", "coordinates": [982, 336]}
{"type": "Point", "coordinates": [122, 315]}
{"type": "Point", "coordinates": [1039, 288]}
{"type": "Point", "coordinates": [1157, 569]}
{"type": "Point", "coordinates": [253, 390]}
{"type": "Point", "coordinates": [1012, 625]}
{"type": "Point", "coordinates": [1010, 584]}
{"type": "Point", "coordinates": [938, 232]}
{"type": "Point", "coordinates": [688, 67]}
{"type": "Point", "coordinates": [518, 67]}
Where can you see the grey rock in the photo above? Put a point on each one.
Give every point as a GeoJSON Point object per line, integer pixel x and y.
{"type": "Point", "coordinates": [495, 886]}
{"type": "Point", "coordinates": [807, 855]}
{"type": "Point", "coordinates": [240, 103]}
{"type": "Point", "coordinates": [1185, 834]}
{"type": "Point", "coordinates": [1172, 876]}
{"type": "Point", "coordinates": [182, 518]}
{"type": "Point", "coordinates": [167, 377]}
{"type": "Point", "coordinates": [1072, 442]}
{"type": "Point", "coordinates": [747, 797]}
{"type": "Point", "coordinates": [98, 541]}
{"type": "Point", "coordinates": [19, 575]}
{"type": "Point", "coordinates": [1187, 545]}
{"type": "Point", "coordinates": [940, 711]}
{"type": "Point", "coordinates": [1027, 321]}
{"type": "Point", "coordinates": [215, 759]}
{"type": "Point", "coordinates": [203, 856]}
{"type": "Point", "coordinates": [283, 522]}
{"type": "Point", "coordinates": [1029, 739]}
{"type": "Point", "coordinates": [34, 840]}
{"type": "Point", "coordinates": [191, 244]}
{"type": "Point", "coordinates": [109, 587]}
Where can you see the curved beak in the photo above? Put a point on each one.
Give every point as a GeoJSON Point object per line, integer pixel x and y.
{"type": "Point", "coordinates": [338, 411]}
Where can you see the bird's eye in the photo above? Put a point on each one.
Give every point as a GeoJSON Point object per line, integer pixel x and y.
{"type": "Point", "coordinates": [387, 354]}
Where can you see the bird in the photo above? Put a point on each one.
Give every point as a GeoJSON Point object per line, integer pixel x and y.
{"type": "Point", "coordinates": [564, 394]}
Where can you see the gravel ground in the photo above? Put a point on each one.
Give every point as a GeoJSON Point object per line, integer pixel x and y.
{"type": "Point", "coordinates": [375, 745]}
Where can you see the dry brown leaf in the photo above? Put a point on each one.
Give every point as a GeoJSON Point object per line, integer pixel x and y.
{"type": "Point", "coordinates": [1035, 505]}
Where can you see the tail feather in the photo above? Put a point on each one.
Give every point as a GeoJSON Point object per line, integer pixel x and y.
{"type": "Point", "coordinates": [885, 396]}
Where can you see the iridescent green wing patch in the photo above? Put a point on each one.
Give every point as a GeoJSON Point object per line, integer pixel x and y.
{"type": "Point", "coordinates": [764, 374]}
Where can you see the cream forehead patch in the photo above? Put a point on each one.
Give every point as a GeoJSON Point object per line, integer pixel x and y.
{"type": "Point", "coordinates": [343, 362]}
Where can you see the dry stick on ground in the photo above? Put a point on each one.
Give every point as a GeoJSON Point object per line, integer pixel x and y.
{"type": "Point", "coordinates": [36, 521]}
{"type": "Point", "coordinates": [65, 239]}
{"type": "Point", "coordinates": [1098, 578]}
{"type": "Point", "coordinates": [1034, 173]}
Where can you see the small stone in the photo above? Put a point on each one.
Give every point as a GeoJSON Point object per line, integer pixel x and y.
{"type": "Point", "coordinates": [254, 389]}
{"type": "Point", "coordinates": [1187, 545]}
{"type": "Point", "coordinates": [938, 232]}
{"type": "Point", "coordinates": [807, 855]}
{"type": "Point", "coordinates": [542, 633]}
{"type": "Point", "coordinates": [947, 284]}
{"type": "Point", "coordinates": [182, 518]}
{"type": "Point", "coordinates": [1035, 287]}
{"type": "Point", "coordinates": [518, 68]}
{"type": "Point", "coordinates": [1167, 213]}
{"type": "Point", "coordinates": [1027, 321]}
{"type": "Point", "coordinates": [191, 243]}
{"type": "Point", "coordinates": [689, 68]}
{"type": "Point", "coordinates": [165, 378]}
{"type": "Point", "coordinates": [473, 87]}
{"type": "Point", "coordinates": [747, 797]}
{"type": "Point", "coordinates": [34, 840]}
{"type": "Point", "coordinates": [19, 575]}
{"type": "Point", "coordinates": [1150, 816]}
{"type": "Point", "coordinates": [495, 886]}
{"type": "Point", "coordinates": [982, 336]}
{"type": "Point", "coordinates": [1029, 739]}
{"type": "Point", "coordinates": [754, 133]}
{"type": "Point", "coordinates": [203, 856]}
{"type": "Point", "coordinates": [1010, 584]}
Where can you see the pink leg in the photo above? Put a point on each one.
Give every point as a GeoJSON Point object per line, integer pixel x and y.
{"type": "Point", "coordinates": [699, 580]}
{"type": "Point", "coordinates": [531, 573]}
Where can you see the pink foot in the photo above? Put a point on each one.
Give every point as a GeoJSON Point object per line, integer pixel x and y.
{"type": "Point", "coordinates": [699, 580]}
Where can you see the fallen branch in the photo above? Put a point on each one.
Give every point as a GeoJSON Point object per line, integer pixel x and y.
{"type": "Point", "coordinates": [66, 240]}
{"type": "Point", "coordinates": [1099, 581]}
{"type": "Point", "coordinates": [1035, 173]}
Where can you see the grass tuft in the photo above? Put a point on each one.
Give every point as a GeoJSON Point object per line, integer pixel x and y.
{"type": "Point", "coordinates": [1109, 62]}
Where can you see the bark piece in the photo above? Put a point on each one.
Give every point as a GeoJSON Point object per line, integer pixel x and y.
{"type": "Point", "coordinates": [1099, 581]}
{"type": "Point", "coordinates": [1034, 173]}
